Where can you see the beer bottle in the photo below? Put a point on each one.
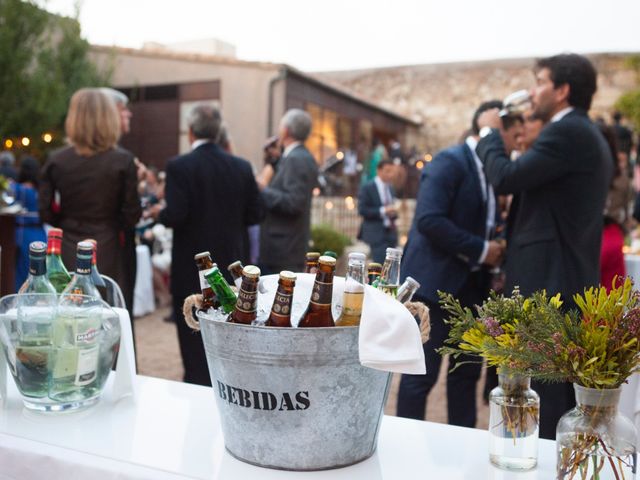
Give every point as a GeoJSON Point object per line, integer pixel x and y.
{"type": "Point", "coordinates": [407, 290]}
{"type": "Point", "coordinates": [246, 309]}
{"type": "Point", "coordinates": [353, 291]}
{"type": "Point", "coordinates": [37, 281]}
{"type": "Point", "coordinates": [318, 313]}
{"type": "Point", "coordinates": [95, 275]}
{"type": "Point", "coordinates": [373, 272]}
{"type": "Point", "coordinates": [390, 277]}
{"type": "Point", "coordinates": [281, 310]}
{"type": "Point", "coordinates": [311, 262]}
{"type": "Point", "coordinates": [204, 263]}
{"type": "Point", "coordinates": [225, 296]}
{"type": "Point", "coordinates": [82, 284]}
{"type": "Point", "coordinates": [235, 269]}
{"type": "Point", "coordinates": [56, 271]}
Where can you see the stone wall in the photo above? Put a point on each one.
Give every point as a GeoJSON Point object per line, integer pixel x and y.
{"type": "Point", "coordinates": [444, 96]}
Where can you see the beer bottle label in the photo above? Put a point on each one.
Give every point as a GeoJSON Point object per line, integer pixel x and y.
{"type": "Point", "coordinates": [282, 304]}
{"type": "Point", "coordinates": [246, 301]}
{"type": "Point", "coordinates": [321, 293]}
{"type": "Point", "coordinates": [203, 281]}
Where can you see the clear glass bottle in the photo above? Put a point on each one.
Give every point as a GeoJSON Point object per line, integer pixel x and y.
{"type": "Point", "coordinates": [318, 312]}
{"type": "Point", "coordinates": [593, 440]}
{"type": "Point", "coordinates": [407, 290]}
{"type": "Point", "coordinates": [82, 282]}
{"type": "Point", "coordinates": [514, 413]}
{"type": "Point", "coordinates": [226, 298]}
{"type": "Point", "coordinates": [246, 309]}
{"type": "Point", "coordinates": [389, 280]}
{"type": "Point", "coordinates": [280, 315]}
{"type": "Point", "coordinates": [353, 291]}
{"type": "Point", "coordinates": [37, 281]}
{"type": "Point", "coordinates": [95, 274]}
{"type": "Point", "coordinates": [56, 271]}
{"type": "Point", "coordinates": [204, 264]}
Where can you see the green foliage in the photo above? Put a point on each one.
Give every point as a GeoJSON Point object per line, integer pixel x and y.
{"type": "Point", "coordinates": [43, 60]}
{"type": "Point", "coordinates": [629, 102]}
{"type": "Point", "coordinates": [325, 237]}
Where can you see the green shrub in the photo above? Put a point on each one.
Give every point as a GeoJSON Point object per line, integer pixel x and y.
{"type": "Point", "coordinates": [325, 237]}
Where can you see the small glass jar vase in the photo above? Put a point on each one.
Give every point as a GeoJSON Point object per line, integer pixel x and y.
{"type": "Point", "coordinates": [594, 441]}
{"type": "Point", "coordinates": [514, 412]}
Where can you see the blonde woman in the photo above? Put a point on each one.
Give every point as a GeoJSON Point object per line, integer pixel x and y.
{"type": "Point", "coordinates": [89, 189]}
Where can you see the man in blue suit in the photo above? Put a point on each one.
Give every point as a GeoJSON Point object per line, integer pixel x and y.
{"type": "Point", "coordinates": [450, 249]}
{"type": "Point", "coordinates": [376, 206]}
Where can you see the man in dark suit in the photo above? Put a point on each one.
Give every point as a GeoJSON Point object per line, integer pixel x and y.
{"type": "Point", "coordinates": [448, 249]}
{"type": "Point", "coordinates": [376, 207]}
{"type": "Point", "coordinates": [284, 234]}
{"type": "Point", "coordinates": [561, 183]}
{"type": "Point", "coordinates": [212, 198]}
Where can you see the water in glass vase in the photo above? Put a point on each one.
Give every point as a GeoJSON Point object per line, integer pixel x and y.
{"type": "Point", "coordinates": [32, 366]}
{"type": "Point", "coordinates": [511, 446]}
{"type": "Point", "coordinates": [596, 464]}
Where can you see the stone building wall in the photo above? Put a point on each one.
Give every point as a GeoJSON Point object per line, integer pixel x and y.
{"type": "Point", "coordinates": [444, 96]}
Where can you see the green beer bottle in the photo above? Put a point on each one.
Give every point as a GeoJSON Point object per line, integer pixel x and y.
{"type": "Point", "coordinates": [221, 288]}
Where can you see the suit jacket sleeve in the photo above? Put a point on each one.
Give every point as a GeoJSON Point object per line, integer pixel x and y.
{"type": "Point", "coordinates": [131, 208]}
{"type": "Point", "coordinates": [440, 184]}
{"type": "Point", "coordinates": [298, 176]}
{"type": "Point", "coordinates": [545, 161]}
{"type": "Point", "coordinates": [368, 208]}
{"type": "Point", "coordinates": [255, 211]}
{"type": "Point", "coordinates": [45, 196]}
{"type": "Point", "coordinates": [177, 210]}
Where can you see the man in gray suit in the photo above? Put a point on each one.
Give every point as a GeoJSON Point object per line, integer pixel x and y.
{"type": "Point", "coordinates": [284, 235]}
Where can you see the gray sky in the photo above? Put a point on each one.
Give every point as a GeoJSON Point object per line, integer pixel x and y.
{"type": "Point", "coordinates": [350, 34]}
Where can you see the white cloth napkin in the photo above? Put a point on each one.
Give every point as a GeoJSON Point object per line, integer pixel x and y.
{"type": "Point", "coordinates": [124, 383]}
{"type": "Point", "coordinates": [389, 335]}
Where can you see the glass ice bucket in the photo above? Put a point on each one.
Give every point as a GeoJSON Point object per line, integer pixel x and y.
{"type": "Point", "coordinates": [59, 348]}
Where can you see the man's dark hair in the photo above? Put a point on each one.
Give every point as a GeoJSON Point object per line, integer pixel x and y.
{"type": "Point", "coordinates": [577, 72]}
{"type": "Point", "coordinates": [509, 121]}
{"type": "Point", "coordinates": [383, 163]}
{"type": "Point", "coordinates": [617, 117]}
{"type": "Point", "coordinates": [483, 108]}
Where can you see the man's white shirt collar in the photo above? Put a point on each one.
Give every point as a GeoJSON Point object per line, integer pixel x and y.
{"type": "Point", "coordinates": [199, 142]}
{"type": "Point", "coordinates": [289, 148]}
{"type": "Point", "coordinates": [561, 114]}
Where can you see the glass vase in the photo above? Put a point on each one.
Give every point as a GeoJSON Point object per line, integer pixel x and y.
{"type": "Point", "coordinates": [594, 441]}
{"type": "Point", "coordinates": [514, 411]}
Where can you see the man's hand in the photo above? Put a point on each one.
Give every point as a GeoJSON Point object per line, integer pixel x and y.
{"type": "Point", "coordinates": [264, 177]}
{"type": "Point", "coordinates": [490, 118]}
{"type": "Point", "coordinates": [495, 254]}
{"type": "Point", "coordinates": [390, 211]}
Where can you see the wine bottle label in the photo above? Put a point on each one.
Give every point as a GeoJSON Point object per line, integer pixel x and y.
{"type": "Point", "coordinates": [246, 301]}
{"type": "Point", "coordinates": [203, 281]}
{"type": "Point", "coordinates": [282, 304]}
{"type": "Point", "coordinates": [321, 293]}
{"type": "Point", "coordinates": [87, 365]}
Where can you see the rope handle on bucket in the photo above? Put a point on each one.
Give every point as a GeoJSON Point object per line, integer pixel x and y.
{"type": "Point", "coordinates": [190, 305]}
{"type": "Point", "coordinates": [421, 312]}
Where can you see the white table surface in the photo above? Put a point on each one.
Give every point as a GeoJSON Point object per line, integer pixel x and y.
{"type": "Point", "coordinates": [173, 431]}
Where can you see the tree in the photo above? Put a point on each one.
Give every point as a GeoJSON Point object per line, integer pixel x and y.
{"type": "Point", "coordinates": [43, 60]}
{"type": "Point", "coordinates": [629, 103]}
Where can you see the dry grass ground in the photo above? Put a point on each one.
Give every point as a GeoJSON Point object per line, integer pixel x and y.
{"type": "Point", "coordinates": [159, 356]}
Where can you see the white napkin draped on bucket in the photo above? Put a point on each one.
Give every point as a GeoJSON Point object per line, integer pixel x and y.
{"type": "Point", "coordinates": [389, 335]}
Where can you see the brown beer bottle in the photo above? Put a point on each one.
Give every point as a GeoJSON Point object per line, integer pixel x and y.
{"type": "Point", "coordinates": [235, 269]}
{"type": "Point", "coordinates": [204, 263]}
{"type": "Point", "coordinates": [318, 313]}
{"type": "Point", "coordinates": [281, 310]}
{"type": "Point", "coordinates": [311, 262]}
{"type": "Point", "coordinates": [246, 309]}
{"type": "Point", "coordinates": [373, 272]}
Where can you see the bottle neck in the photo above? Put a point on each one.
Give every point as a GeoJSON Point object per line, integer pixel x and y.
{"type": "Point", "coordinates": [322, 289]}
{"type": "Point", "coordinates": [355, 273]}
{"type": "Point", "coordinates": [83, 266]}
{"type": "Point", "coordinates": [598, 402]}
{"type": "Point", "coordinates": [248, 296]}
{"type": "Point", "coordinates": [390, 272]}
{"type": "Point", "coordinates": [54, 246]}
{"type": "Point", "coordinates": [513, 383]}
{"type": "Point", "coordinates": [37, 266]}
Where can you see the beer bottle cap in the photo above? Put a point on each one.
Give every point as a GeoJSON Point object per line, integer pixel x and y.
{"type": "Point", "coordinates": [330, 253]}
{"type": "Point", "coordinates": [357, 256]}
{"type": "Point", "coordinates": [287, 275]}
{"type": "Point", "coordinates": [394, 252]}
{"type": "Point", "coordinates": [326, 260]}
{"type": "Point", "coordinates": [412, 281]}
{"type": "Point", "coordinates": [37, 249]}
{"type": "Point", "coordinates": [251, 271]}
{"type": "Point", "coordinates": [92, 241]}
{"type": "Point", "coordinates": [313, 255]}
{"type": "Point", "coordinates": [210, 272]}
{"type": "Point", "coordinates": [234, 265]}
{"type": "Point", "coordinates": [200, 255]}
{"type": "Point", "coordinates": [374, 266]}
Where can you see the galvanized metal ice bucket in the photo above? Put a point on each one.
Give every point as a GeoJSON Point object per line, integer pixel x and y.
{"type": "Point", "coordinates": [294, 399]}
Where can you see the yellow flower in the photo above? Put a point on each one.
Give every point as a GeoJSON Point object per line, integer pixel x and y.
{"type": "Point", "coordinates": [555, 301]}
